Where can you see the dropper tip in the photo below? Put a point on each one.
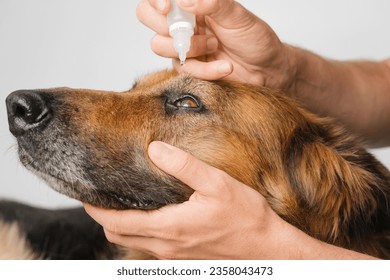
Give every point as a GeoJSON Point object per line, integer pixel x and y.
{"type": "Point", "coordinates": [182, 57]}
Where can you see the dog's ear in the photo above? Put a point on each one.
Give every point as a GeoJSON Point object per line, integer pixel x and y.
{"type": "Point", "coordinates": [339, 184]}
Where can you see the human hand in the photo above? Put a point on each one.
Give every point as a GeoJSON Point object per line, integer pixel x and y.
{"type": "Point", "coordinates": [230, 42]}
{"type": "Point", "coordinates": [223, 219]}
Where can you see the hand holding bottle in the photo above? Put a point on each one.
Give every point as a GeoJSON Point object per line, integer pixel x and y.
{"type": "Point", "coordinates": [229, 42]}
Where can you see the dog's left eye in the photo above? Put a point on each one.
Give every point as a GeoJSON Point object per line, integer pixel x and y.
{"type": "Point", "coordinates": [187, 102]}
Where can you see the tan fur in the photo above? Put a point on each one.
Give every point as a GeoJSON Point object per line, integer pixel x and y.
{"type": "Point", "coordinates": [13, 245]}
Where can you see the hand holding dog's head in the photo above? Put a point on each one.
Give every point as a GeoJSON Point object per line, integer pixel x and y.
{"type": "Point", "coordinates": [92, 146]}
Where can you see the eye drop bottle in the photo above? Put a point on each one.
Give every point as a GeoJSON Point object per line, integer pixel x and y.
{"type": "Point", "coordinates": [181, 28]}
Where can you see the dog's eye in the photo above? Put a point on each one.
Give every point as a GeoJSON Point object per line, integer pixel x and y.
{"type": "Point", "coordinates": [187, 102]}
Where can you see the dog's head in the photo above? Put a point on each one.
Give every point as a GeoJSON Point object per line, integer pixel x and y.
{"type": "Point", "coordinates": [92, 145]}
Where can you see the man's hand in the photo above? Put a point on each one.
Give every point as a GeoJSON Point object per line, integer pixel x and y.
{"type": "Point", "coordinates": [230, 42]}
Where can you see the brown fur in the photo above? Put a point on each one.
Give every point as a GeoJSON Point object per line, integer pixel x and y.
{"type": "Point", "coordinates": [313, 173]}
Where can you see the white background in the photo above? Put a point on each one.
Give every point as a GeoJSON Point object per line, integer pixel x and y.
{"type": "Point", "coordinates": [147, 269]}
{"type": "Point", "coordinates": [99, 44]}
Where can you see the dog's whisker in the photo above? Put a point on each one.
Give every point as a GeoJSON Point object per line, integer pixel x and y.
{"type": "Point", "coordinates": [123, 179]}
{"type": "Point", "coordinates": [11, 148]}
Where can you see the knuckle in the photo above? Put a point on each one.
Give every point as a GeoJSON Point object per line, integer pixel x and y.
{"type": "Point", "coordinates": [199, 46]}
{"type": "Point", "coordinates": [220, 179]}
{"type": "Point", "coordinates": [169, 230]}
{"type": "Point", "coordinates": [168, 253]}
{"type": "Point", "coordinates": [114, 225]}
{"type": "Point", "coordinates": [111, 237]}
{"type": "Point", "coordinates": [205, 7]}
{"type": "Point", "coordinates": [223, 185]}
{"type": "Point", "coordinates": [159, 46]}
{"type": "Point", "coordinates": [111, 227]}
{"type": "Point", "coordinates": [140, 10]}
{"type": "Point", "coordinates": [155, 46]}
{"type": "Point", "coordinates": [184, 164]}
{"type": "Point", "coordinates": [162, 7]}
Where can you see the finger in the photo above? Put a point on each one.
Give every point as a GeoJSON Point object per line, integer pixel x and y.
{"type": "Point", "coordinates": [162, 6]}
{"type": "Point", "coordinates": [213, 70]}
{"type": "Point", "coordinates": [188, 169]}
{"type": "Point", "coordinates": [124, 222]}
{"type": "Point", "coordinates": [227, 14]}
{"type": "Point", "coordinates": [143, 244]}
{"type": "Point", "coordinates": [200, 45]}
{"type": "Point", "coordinates": [161, 249]}
{"type": "Point", "coordinates": [218, 10]}
{"type": "Point", "coordinates": [203, 7]}
{"type": "Point", "coordinates": [153, 223]}
{"type": "Point", "coordinates": [150, 17]}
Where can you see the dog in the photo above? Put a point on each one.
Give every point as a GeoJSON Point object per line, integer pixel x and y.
{"type": "Point", "coordinates": [92, 146]}
{"type": "Point", "coordinates": [29, 233]}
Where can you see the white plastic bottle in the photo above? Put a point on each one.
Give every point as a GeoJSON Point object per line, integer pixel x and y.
{"type": "Point", "coordinates": [181, 28]}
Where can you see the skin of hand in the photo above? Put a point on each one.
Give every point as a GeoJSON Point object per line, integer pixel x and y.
{"type": "Point", "coordinates": [232, 43]}
{"type": "Point", "coordinates": [223, 219]}
{"type": "Point", "coordinates": [217, 48]}
{"type": "Point", "coordinates": [200, 228]}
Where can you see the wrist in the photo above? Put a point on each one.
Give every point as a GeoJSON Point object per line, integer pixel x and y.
{"type": "Point", "coordinates": [289, 69]}
{"type": "Point", "coordinates": [308, 71]}
{"type": "Point", "coordinates": [294, 244]}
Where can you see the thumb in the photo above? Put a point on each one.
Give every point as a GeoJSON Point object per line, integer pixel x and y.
{"type": "Point", "coordinates": [223, 12]}
{"type": "Point", "coordinates": [184, 167]}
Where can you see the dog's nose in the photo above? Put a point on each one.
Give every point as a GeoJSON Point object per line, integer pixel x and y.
{"type": "Point", "coordinates": [26, 110]}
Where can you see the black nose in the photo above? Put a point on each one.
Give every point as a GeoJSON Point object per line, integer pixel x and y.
{"type": "Point", "coordinates": [26, 110]}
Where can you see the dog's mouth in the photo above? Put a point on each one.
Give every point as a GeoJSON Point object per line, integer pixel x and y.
{"type": "Point", "coordinates": [70, 179]}
{"type": "Point", "coordinates": [133, 203]}
{"type": "Point", "coordinates": [63, 178]}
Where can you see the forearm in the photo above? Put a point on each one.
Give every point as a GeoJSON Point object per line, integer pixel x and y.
{"type": "Point", "coordinates": [331, 252]}
{"type": "Point", "coordinates": [299, 245]}
{"type": "Point", "coordinates": [356, 93]}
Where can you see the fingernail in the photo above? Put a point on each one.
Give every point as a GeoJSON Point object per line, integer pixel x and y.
{"type": "Point", "coordinates": [186, 3]}
{"type": "Point", "coordinates": [160, 151]}
{"type": "Point", "coordinates": [212, 44]}
{"type": "Point", "coordinates": [224, 68]}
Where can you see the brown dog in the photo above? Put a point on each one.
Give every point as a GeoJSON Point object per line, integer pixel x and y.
{"type": "Point", "coordinates": [91, 145]}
